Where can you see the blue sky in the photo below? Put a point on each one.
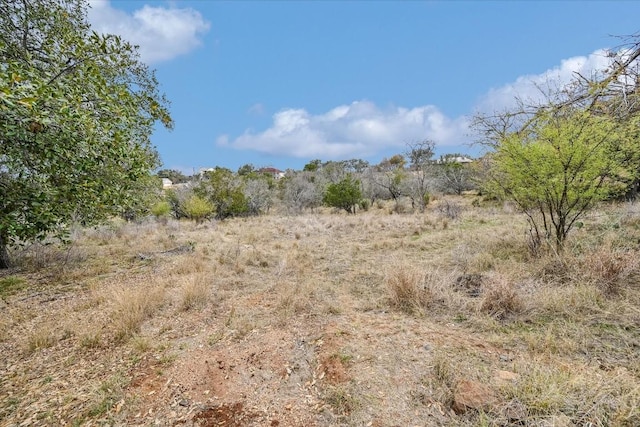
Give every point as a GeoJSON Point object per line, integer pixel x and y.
{"type": "Point", "coordinates": [281, 83]}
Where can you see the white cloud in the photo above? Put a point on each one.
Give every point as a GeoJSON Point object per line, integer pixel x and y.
{"type": "Point", "coordinates": [356, 130]}
{"type": "Point", "coordinates": [362, 129]}
{"type": "Point", "coordinates": [530, 88]}
{"type": "Point", "coordinates": [162, 33]}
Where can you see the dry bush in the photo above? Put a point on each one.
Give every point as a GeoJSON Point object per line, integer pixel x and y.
{"type": "Point", "coordinates": [448, 209]}
{"type": "Point", "coordinates": [555, 395]}
{"type": "Point", "coordinates": [407, 288]}
{"type": "Point", "coordinates": [553, 269]}
{"type": "Point", "coordinates": [132, 306]}
{"type": "Point", "coordinates": [501, 300]}
{"type": "Point", "coordinates": [443, 379]}
{"type": "Point", "coordinates": [241, 323]}
{"type": "Point", "coordinates": [611, 270]}
{"type": "Point", "coordinates": [194, 292]}
{"type": "Point", "coordinates": [91, 339]}
{"type": "Point", "coordinates": [49, 255]}
{"type": "Point", "coordinates": [572, 301]}
{"type": "Point", "coordinates": [194, 263]}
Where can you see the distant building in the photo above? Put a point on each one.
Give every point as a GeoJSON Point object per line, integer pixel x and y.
{"type": "Point", "coordinates": [456, 159]}
{"type": "Point", "coordinates": [203, 171]}
{"type": "Point", "coordinates": [275, 173]}
{"type": "Point", "coordinates": [166, 183]}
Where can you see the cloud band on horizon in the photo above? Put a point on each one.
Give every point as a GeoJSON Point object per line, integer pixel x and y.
{"type": "Point", "coordinates": [362, 129]}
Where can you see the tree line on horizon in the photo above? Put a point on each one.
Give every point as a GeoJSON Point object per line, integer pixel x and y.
{"type": "Point", "coordinates": [349, 185]}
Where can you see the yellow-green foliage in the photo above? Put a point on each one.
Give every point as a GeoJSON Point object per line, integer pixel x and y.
{"type": "Point", "coordinates": [558, 167]}
{"type": "Point", "coordinates": [161, 209]}
{"type": "Point", "coordinates": [197, 208]}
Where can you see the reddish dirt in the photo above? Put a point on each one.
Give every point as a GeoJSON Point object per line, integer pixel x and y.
{"type": "Point", "coordinates": [267, 380]}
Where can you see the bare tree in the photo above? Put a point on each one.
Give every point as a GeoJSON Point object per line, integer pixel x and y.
{"type": "Point", "coordinates": [300, 192]}
{"type": "Point", "coordinates": [420, 178]}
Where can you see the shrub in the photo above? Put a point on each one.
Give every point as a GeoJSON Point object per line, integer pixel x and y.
{"type": "Point", "coordinates": [161, 209]}
{"type": "Point", "coordinates": [345, 194]}
{"type": "Point", "coordinates": [197, 208]}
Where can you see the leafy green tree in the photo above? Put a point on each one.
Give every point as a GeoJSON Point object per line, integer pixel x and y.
{"type": "Point", "coordinates": [246, 169]}
{"type": "Point", "coordinates": [76, 112]}
{"type": "Point", "coordinates": [556, 168]}
{"type": "Point", "coordinates": [345, 194]}
{"type": "Point", "coordinates": [313, 165]}
{"type": "Point", "coordinates": [225, 191]}
{"type": "Point", "coordinates": [145, 192]}
{"type": "Point", "coordinates": [390, 174]}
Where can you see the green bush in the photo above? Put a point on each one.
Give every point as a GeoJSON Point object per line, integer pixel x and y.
{"type": "Point", "coordinates": [345, 194]}
{"type": "Point", "coordinates": [197, 208]}
{"type": "Point", "coordinates": [161, 209]}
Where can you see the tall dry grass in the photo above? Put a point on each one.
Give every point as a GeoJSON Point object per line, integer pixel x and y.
{"type": "Point", "coordinates": [132, 306]}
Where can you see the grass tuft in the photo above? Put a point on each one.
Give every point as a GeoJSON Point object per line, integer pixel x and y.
{"type": "Point", "coordinates": [195, 292]}
{"type": "Point", "coordinates": [407, 290]}
{"type": "Point", "coordinates": [132, 306]}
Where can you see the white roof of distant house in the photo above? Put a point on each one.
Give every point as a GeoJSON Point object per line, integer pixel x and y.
{"type": "Point", "coordinates": [457, 159]}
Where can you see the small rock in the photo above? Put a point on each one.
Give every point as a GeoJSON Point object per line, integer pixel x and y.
{"type": "Point", "coordinates": [505, 358]}
{"type": "Point", "coordinates": [505, 377]}
{"type": "Point", "coordinates": [472, 395]}
{"type": "Point", "coordinates": [184, 402]}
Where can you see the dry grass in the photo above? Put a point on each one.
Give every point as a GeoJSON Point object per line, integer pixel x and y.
{"type": "Point", "coordinates": [42, 337]}
{"type": "Point", "coordinates": [407, 289]}
{"type": "Point", "coordinates": [501, 300]}
{"type": "Point", "coordinates": [412, 306]}
{"type": "Point", "coordinates": [195, 292]}
{"type": "Point", "coordinates": [131, 307]}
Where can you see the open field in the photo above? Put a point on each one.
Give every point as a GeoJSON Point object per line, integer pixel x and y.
{"type": "Point", "coordinates": [325, 319]}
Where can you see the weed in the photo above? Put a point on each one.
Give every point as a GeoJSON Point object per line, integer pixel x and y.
{"type": "Point", "coordinates": [141, 344]}
{"type": "Point", "coordinates": [341, 400]}
{"type": "Point", "coordinates": [10, 285]}
{"type": "Point", "coordinates": [107, 395]}
{"type": "Point", "coordinates": [91, 340]}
